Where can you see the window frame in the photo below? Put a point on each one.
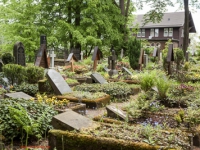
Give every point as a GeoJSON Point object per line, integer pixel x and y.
{"type": "Point", "coordinates": [156, 35]}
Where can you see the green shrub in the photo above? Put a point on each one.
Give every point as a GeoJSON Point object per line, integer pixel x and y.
{"type": "Point", "coordinates": [15, 73]}
{"type": "Point", "coordinates": [8, 127]}
{"type": "Point", "coordinates": [34, 74]}
{"type": "Point", "coordinates": [147, 80]}
{"type": "Point", "coordinates": [7, 58]}
{"type": "Point", "coordinates": [162, 86]}
{"type": "Point", "coordinates": [30, 89]}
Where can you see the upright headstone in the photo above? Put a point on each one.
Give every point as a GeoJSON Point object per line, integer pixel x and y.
{"type": "Point", "coordinates": [41, 59]}
{"type": "Point", "coordinates": [122, 53]}
{"type": "Point", "coordinates": [170, 58]}
{"type": "Point", "coordinates": [98, 78]}
{"type": "Point", "coordinates": [57, 82]}
{"type": "Point", "coordinates": [19, 54]}
{"type": "Point", "coordinates": [52, 56]}
{"type": "Point", "coordinates": [141, 59]}
{"type": "Point", "coordinates": [72, 58]}
{"type": "Point", "coordinates": [77, 52]}
{"type": "Point", "coordinates": [146, 60]}
{"type": "Point", "coordinates": [113, 60]}
{"type": "Point", "coordinates": [81, 56]}
{"type": "Point", "coordinates": [1, 65]}
{"type": "Point", "coordinates": [96, 57]}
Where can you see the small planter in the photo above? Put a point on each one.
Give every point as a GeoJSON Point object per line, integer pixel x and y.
{"type": "Point", "coordinates": [96, 103]}
{"type": "Point", "coordinates": [77, 107]}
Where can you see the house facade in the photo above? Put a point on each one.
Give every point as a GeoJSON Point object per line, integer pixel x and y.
{"type": "Point", "coordinates": [170, 27]}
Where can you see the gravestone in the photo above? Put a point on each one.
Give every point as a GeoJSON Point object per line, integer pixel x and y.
{"type": "Point", "coordinates": [122, 53]}
{"type": "Point", "coordinates": [18, 95]}
{"type": "Point", "coordinates": [1, 65]}
{"type": "Point", "coordinates": [72, 58]}
{"type": "Point", "coordinates": [170, 58]}
{"type": "Point", "coordinates": [77, 52]}
{"type": "Point", "coordinates": [116, 113]}
{"type": "Point", "coordinates": [113, 60]}
{"type": "Point", "coordinates": [81, 56]}
{"type": "Point", "coordinates": [126, 70]}
{"type": "Point", "coordinates": [146, 60]}
{"type": "Point", "coordinates": [98, 78]}
{"type": "Point", "coordinates": [71, 120]}
{"type": "Point", "coordinates": [141, 59]}
{"type": "Point", "coordinates": [57, 82]}
{"type": "Point", "coordinates": [19, 54]}
{"type": "Point", "coordinates": [96, 57]}
{"type": "Point", "coordinates": [106, 69]}
{"type": "Point", "coordinates": [52, 56]}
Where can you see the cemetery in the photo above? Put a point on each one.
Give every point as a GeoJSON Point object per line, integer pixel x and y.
{"type": "Point", "coordinates": [90, 75]}
{"type": "Point", "coordinates": [155, 106]}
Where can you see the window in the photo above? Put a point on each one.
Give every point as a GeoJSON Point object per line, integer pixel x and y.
{"type": "Point", "coordinates": [141, 33]}
{"type": "Point", "coordinates": [182, 34]}
{"type": "Point", "coordinates": [168, 32]}
{"type": "Point", "coordinates": [152, 33]}
{"type": "Point", "coordinates": [156, 32]}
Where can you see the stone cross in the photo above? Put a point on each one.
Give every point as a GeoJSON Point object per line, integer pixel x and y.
{"type": "Point", "coordinates": [52, 56]}
{"type": "Point", "coordinates": [112, 62]}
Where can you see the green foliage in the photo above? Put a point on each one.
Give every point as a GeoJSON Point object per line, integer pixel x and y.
{"type": "Point", "coordinates": [15, 73]}
{"type": "Point", "coordinates": [40, 112]}
{"type": "Point", "coordinates": [7, 58]}
{"type": "Point", "coordinates": [71, 81]}
{"type": "Point", "coordinates": [134, 47]}
{"type": "Point", "coordinates": [162, 85]}
{"type": "Point", "coordinates": [30, 89]}
{"type": "Point", "coordinates": [147, 80]}
{"type": "Point", "coordinates": [114, 89]}
{"type": "Point", "coordinates": [34, 74]}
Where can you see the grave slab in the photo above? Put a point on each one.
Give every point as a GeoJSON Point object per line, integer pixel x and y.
{"type": "Point", "coordinates": [57, 82]}
{"type": "Point", "coordinates": [126, 70]}
{"type": "Point", "coordinates": [114, 112]}
{"type": "Point", "coordinates": [71, 120]}
{"type": "Point", "coordinates": [18, 95]}
{"type": "Point", "coordinates": [98, 78]}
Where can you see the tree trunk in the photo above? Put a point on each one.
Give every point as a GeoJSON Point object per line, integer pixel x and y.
{"type": "Point", "coordinates": [186, 28]}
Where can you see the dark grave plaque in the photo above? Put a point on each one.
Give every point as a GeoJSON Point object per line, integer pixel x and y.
{"type": "Point", "coordinates": [155, 52]}
{"type": "Point", "coordinates": [72, 57]}
{"type": "Point", "coordinates": [98, 78]}
{"type": "Point", "coordinates": [19, 54]}
{"type": "Point", "coordinates": [97, 55]}
{"type": "Point", "coordinates": [126, 70]}
{"type": "Point", "coordinates": [170, 54]}
{"type": "Point", "coordinates": [113, 59]}
{"type": "Point", "coordinates": [41, 59]}
{"type": "Point", "coordinates": [71, 120]}
{"type": "Point", "coordinates": [18, 95]}
{"type": "Point", "coordinates": [57, 82]}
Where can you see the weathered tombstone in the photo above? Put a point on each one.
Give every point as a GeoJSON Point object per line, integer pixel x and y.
{"type": "Point", "coordinates": [57, 82]}
{"type": "Point", "coordinates": [81, 56]}
{"type": "Point", "coordinates": [113, 60]}
{"type": "Point", "coordinates": [170, 58]}
{"type": "Point", "coordinates": [141, 59]}
{"type": "Point", "coordinates": [146, 60]}
{"type": "Point", "coordinates": [77, 52]}
{"type": "Point", "coordinates": [19, 54]}
{"type": "Point", "coordinates": [71, 120]}
{"type": "Point", "coordinates": [96, 57]}
{"type": "Point", "coordinates": [52, 56]}
{"type": "Point", "coordinates": [126, 70]}
{"type": "Point", "coordinates": [72, 58]}
{"type": "Point", "coordinates": [122, 53]}
{"type": "Point", "coordinates": [41, 59]}
{"type": "Point", "coordinates": [1, 65]}
{"type": "Point", "coordinates": [98, 78]}
{"type": "Point", "coordinates": [18, 95]}
{"type": "Point", "coordinates": [187, 56]}
{"type": "Point", "coordinates": [116, 113]}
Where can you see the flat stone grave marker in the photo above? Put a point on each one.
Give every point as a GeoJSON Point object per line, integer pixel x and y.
{"type": "Point", "coordinates": [106, 69]}
{"type": "Point", "coordinates": [126, 70]}
{"type": "Point", "coordinates": [98, 78]}
{"type": "Point", "coordinates": [71, 120]}
{"type": "Point", "coordinates": [57, 82]}
{"type": "Point", "coordinates": [18, 95]}
{"type": "Point", "coordinates": [114, 112]}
